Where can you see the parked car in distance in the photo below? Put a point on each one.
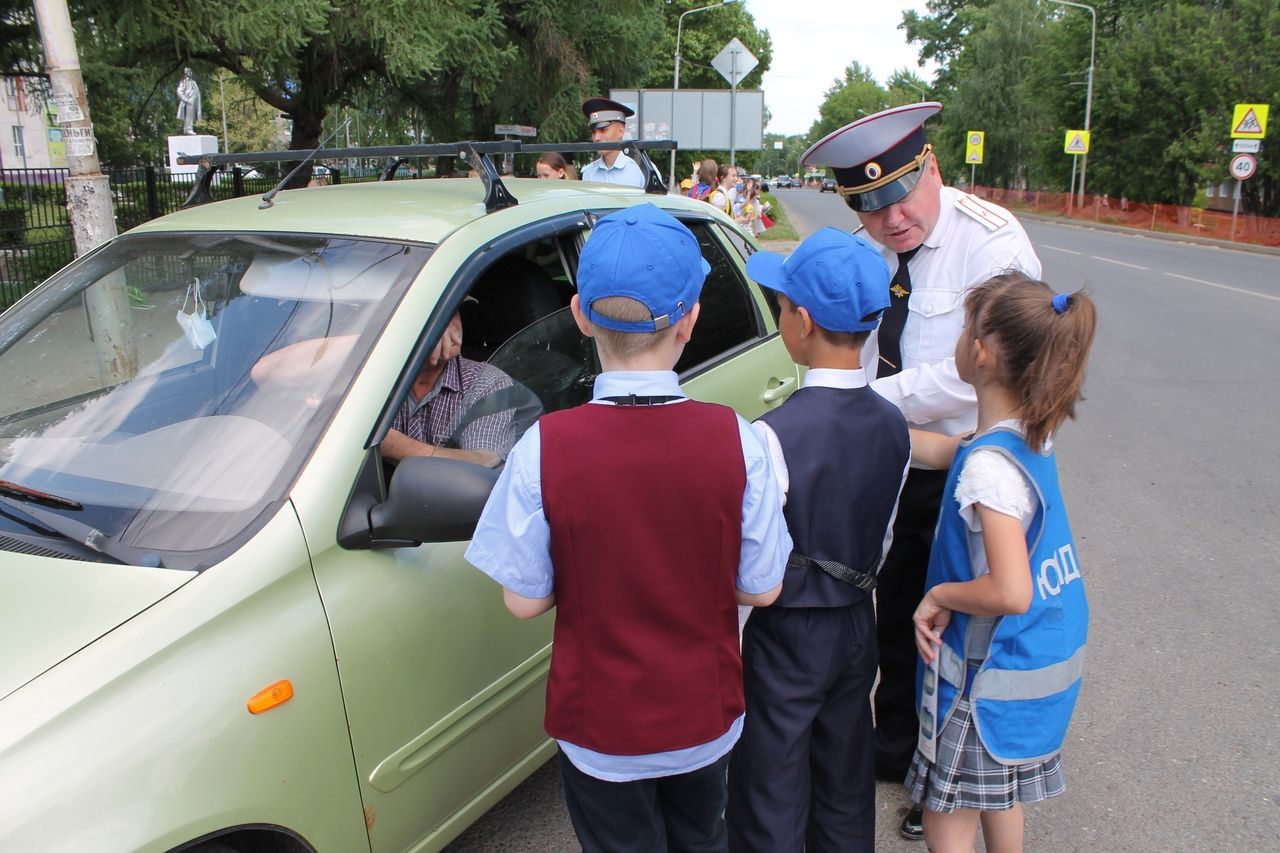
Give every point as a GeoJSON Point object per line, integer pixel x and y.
{"type": "Point", "coordinates": [828, 184]}
{"type": "Point", "coordinates": [230, 624]}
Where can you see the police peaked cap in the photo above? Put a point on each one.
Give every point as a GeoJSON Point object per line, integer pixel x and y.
{"type": "Point", "coordinates": [878, 159]}
{"type": "Point", "coordinates": [601, 111]}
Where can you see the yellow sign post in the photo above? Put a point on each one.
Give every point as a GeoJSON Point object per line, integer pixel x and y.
{"type": "Point", "coordinates": [973, 147]}
{"type": "Point", "coordinates": [973, 141]}
{"type": "Point", "coordinates": [1077, 142]}
{"type": "Point", "coordinates": [1249, 121]}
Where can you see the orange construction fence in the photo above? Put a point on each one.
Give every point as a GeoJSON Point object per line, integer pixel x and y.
{"type": "Point", "coordinates": [1169, 218]}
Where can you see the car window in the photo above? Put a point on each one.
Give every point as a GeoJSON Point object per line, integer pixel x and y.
{"type": "Point", "coordinates": [232, 352]}
{"type": "Point", "coordinates": [520, 355]}
{"type": "Point", "coordinates": [729, 316]}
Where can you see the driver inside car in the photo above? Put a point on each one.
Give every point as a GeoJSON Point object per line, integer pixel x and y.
{"type": "Point", "coordinates": [457, 408]}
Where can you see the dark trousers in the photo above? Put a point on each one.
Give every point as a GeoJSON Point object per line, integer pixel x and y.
{"type": "Point", "coordinates": [676, 813]}
{"type": "Point", "coordinates": [801, 778]}
{"type": "Point", "coordinates": [900, 586]}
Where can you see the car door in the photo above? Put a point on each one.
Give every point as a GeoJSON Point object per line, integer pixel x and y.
{"type": "Point", "coordinates": [736, 356]}
{"type": "Point", "coordinates": [444, 689]}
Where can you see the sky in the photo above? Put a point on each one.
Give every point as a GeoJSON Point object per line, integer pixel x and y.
{"type": "Point", "coordinates": [815, 40]}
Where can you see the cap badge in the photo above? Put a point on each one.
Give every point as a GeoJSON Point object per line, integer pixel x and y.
{"type": "Point", "coordinates": [873, 170]}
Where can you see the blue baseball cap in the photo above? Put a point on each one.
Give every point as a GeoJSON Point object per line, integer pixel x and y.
{"type": "Point", "coordinates": [837, 277]}
{"type": "Point", "coordinates": [648, 255]}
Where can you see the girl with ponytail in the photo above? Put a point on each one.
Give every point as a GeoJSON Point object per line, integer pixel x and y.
{"type": "Point", "coordinates": [1001, 629]}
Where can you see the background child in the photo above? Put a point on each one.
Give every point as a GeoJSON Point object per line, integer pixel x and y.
{"type": "Point", "coordinates": [803, 775]}
{"type": "Point", "coordinates": [645, 518]}
{"type": "Point", "coordinates": [1004, 613]}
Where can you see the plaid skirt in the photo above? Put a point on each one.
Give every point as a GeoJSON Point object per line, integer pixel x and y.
{"type": "Point", "coordinates": [967, 777]}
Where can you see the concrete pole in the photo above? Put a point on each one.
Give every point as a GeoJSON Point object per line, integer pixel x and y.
{"type": "Point", "coordinates": [88, 194]}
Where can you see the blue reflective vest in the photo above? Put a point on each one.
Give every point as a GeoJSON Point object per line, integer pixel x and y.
{"type": "Point", "coordinates": [1025, 690]}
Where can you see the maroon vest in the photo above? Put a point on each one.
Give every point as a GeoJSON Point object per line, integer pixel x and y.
{"type": "Point", "coordinates": [645, 509]}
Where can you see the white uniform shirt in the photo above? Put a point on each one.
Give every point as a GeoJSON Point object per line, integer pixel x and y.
{"type": "Point", "coordinates": [624, 171]}
{"type": "Point", "coordinates": [972, 241]}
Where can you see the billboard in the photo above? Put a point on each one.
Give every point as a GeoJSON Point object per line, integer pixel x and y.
{"type": "Point", "coordinates": [696, 118]}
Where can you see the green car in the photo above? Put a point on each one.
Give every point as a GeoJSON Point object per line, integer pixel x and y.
{"type": "Point", "coordinates": [229, 624]}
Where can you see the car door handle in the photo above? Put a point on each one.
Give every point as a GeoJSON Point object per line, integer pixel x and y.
{"type": "Point", "coordinates": [777, 392]}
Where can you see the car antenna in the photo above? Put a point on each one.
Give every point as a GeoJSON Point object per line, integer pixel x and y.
{"type": "Point", "coordinates": [270, 194]}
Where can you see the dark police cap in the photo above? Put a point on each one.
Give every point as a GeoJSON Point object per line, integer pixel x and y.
{"type": "Point", "coordinates": [601, 111]}
{"type": "Point", "coordinates": [877, 160]}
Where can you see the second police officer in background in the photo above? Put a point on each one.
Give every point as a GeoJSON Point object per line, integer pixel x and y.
{"type": "Point", "coordinates": [942, 242]}
{"type": "Point", "coordinates": [608, 122]}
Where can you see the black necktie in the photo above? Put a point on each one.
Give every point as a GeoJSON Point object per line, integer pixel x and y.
{"type": "Point", "coordinates": [895, 318]}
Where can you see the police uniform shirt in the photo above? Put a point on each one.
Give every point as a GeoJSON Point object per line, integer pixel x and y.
{"type": "Point", "coordinates": [624, 171]}
{"type": "Point", "coordinates": [972, 241]}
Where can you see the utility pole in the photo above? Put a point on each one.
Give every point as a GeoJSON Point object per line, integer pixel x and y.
{"type": "Point", "coordinates": [88, 194]}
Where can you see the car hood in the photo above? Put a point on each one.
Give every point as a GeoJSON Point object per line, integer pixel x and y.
{"type": "Point", "coordinates": [52, 608]}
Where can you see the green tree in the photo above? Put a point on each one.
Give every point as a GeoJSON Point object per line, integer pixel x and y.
{"type": "Point", "coordinates": [453, 67]}
{"type": "Point", "coordinates": [855, 94]}
{"type": "Point", "coordinates": [996, 94]}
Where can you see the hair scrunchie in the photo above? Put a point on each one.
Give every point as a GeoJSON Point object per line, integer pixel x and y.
{"type": "Point", "coordinates": [1061, 301]}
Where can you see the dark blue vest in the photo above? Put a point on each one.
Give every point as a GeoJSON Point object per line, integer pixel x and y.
{"type": "Point", "coordinates": [846, 450]}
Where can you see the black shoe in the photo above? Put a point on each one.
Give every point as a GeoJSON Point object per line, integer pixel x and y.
{"type": "Point", "coordinates": [913, 824]}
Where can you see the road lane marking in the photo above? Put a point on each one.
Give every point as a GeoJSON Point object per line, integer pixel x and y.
{"type": "Point", "coordinates": [1121, 263]}
{"type": "Point", "coordinates": [1225, 287]}
{"type": "Point", "coordinates": [1060, 249]}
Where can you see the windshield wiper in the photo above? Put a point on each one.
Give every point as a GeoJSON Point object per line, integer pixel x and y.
{"type": "Point", "coordinates": [26, 493]}
{"type": "Point", "coordinates": [84, 534]}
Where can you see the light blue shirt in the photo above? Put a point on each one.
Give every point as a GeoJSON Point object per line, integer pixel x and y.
{"type": "Point", "coordinates": [624, 171]}
{"type": "Point", "coordinates": [512, 545]}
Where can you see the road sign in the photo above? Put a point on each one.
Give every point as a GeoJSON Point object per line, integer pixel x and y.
{"type": "Point", "coordinates": [1077, 142]}
{"type": "Point", "coordinates": [1246, 146]}
{"type": "Point", "coordinates": [1250, 121]}
{"type": "Point", "coordinates": [973, 147]}
{"type": "Point", "coordinates": [514, 130]}
{"type": "Point", "coordinates": [734, 62]}
{"type": "Point", "coordinates": [1243, 166]}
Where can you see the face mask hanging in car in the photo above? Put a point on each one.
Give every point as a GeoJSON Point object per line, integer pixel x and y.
{"type": "Point", "coordinates": [196, 325]}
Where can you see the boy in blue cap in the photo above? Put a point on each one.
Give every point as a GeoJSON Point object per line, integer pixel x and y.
{"type": "Point", "coordinates": [644, 518]}
{"type": "Point", "coordinates": [802, 776]}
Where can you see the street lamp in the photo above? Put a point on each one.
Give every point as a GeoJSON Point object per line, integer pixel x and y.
{"type": "Point", "coordinates": [917, 88]}
{"type": "Point", "coordinates": [676, 81]}
{"type": "Point", "coordinates": [1088, 98]}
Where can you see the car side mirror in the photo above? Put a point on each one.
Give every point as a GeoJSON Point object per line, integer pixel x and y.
{"type": "Point", "coordinates": [431, 500]}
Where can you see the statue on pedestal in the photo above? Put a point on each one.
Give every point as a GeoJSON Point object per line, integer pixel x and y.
{"type": "Point", "coordinates": [188, 102]}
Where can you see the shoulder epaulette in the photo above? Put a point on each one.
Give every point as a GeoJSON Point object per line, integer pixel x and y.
{"type": "Point", "coordinates": [975, 208]}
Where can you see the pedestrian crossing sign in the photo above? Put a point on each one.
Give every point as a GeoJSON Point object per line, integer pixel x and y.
{"type": "Point", "coordinates": [1249, 121]}
{"type": "Point", "coordinates": [973, 147]}
{"type": "Point", "coordinates": [1077, 142]}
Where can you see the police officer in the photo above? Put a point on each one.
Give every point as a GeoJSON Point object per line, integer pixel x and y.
{"type": "Point", "coordinates": [941, 242]}
{"type": "Point", "coordinates": [608, 122]}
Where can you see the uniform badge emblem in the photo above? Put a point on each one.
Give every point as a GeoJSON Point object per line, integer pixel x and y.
{"type": "Point", "coordinates": [898, 290]}
{"type": "Point", "coordinates": [872, 169]}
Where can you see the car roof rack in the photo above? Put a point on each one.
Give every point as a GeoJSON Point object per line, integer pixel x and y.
{"type": "Point", "coordinates": [475, 154]}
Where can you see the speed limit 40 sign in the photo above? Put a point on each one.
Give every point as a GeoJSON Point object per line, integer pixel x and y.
{"type": "Point", "coordinates": [1243, 166]}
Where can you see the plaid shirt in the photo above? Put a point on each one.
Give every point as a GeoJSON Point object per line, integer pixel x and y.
{"type": "Point", "coordinates": [436, 418]}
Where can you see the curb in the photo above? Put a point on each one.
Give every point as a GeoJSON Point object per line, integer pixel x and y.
{"type": "Point", "coordinates": [1154, 235]}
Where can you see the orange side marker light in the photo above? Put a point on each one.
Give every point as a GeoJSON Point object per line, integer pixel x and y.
{"type": "Point", "coordinates": [271, 696]}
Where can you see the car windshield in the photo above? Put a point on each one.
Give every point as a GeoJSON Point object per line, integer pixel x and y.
{"type": "Point", "coordinates": [139, 389]}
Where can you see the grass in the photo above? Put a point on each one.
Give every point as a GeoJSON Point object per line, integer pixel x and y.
{"type": "Point", "coordinates": [782, 228]}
